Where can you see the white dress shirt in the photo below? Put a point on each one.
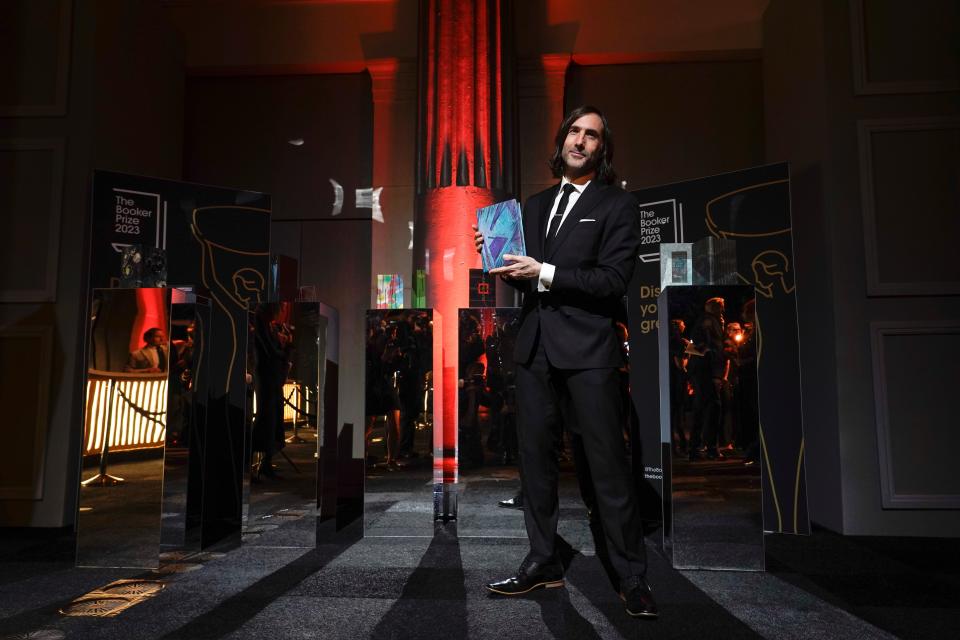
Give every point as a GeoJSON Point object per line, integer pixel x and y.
{"type": "Point", "coordinates": [547, 270]}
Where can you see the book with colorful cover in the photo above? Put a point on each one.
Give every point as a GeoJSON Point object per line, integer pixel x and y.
{"type": "Point", "coordinates": [389, 291]}
{"type": "Point", "coordinates": [502, 229]}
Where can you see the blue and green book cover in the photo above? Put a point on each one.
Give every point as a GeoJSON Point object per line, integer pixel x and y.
{"type": "Point", "coordinates": [502, 229]}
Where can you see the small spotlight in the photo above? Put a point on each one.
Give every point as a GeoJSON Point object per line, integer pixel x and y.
{"type": "Point", "coordinates": [738, 337]}
{"type": "Point", "coordinates": [297, 142]}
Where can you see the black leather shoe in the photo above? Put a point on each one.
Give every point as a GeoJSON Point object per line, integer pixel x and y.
{"type": "Point", "coordinates": [532, 575]}
{"type": "Point", "coordinates": [516, 502]}
{"type": "Point", "coordinates": [638, 599]}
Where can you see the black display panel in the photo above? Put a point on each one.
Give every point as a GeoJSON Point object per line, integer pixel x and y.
{"type": "Point", "coordinates": [709, 428]}
{"type": "Point", "coordinates": [216, 241]}
{"type": "Point", "coordinates": [751, 207]}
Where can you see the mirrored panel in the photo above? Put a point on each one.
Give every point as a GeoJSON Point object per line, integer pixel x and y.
{"type": "Point", "coordinates": [487, 417]}
{"type": "Point", "coordinates": [121, 488]}
{"type": "Point", "coordinates": [398, 433]}
{"type": "Point", "coordinates": [186, 406]}
{"type": "Point", "coordinates": [487, 421]}
{"type": "Point", "coordinates": [287, 367]}
{"type": "Point", "coordinates": [710, 428]}
{"type": "Point", "coordinates": [327, 427]}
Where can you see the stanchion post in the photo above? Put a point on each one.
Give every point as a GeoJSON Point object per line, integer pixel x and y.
{"type": "Point", "coordinates": [103, 479]}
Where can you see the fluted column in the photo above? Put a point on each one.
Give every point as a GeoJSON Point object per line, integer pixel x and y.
{"type": "Point", "coordinates": [463, 163]}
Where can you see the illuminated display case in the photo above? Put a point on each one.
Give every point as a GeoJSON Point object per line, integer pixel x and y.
{"type": "Point", "coordinates": [709, 428]}
{"type": "Point", "coordinates": [127, 408]}
{"type": "Point", "coordinates": [144, 416]}
{"type": "Point", "coordinates": [129, 365]}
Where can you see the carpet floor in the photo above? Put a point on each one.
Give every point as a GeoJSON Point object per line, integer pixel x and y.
{"type": "Point", "coordinates": [405, 579]}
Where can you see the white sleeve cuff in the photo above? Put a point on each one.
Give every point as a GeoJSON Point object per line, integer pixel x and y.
{"type": "Point", "coordinates": [546, 276]}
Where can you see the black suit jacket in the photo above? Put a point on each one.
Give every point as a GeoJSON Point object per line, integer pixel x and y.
{"type": "Point", "coordinates": [594, 253]}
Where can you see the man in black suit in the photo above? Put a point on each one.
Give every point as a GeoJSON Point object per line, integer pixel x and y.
{"type": "Point", "coordinates": [153, 356]}
{"type": "Point", "coordinates": [582, 239]}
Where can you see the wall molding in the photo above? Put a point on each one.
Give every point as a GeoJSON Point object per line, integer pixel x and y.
{"type": "Point", "coordinates": [34, 490]}
{"type": "Point", "coordinates": [891, 498]}
{"type": "Point", "coordinates": [57, 108]}
{"type": "Point", "coordinates": [862, 84]}
{"type": "Point", "coordinates": [865, 130]}
{"type": "Point", "coordinates": [49, 291]}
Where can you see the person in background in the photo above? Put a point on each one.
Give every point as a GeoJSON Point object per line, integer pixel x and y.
{"type": "Point", "coordinates": [153, 357]}
{"type": "Point", "coordinates": [707, 369]}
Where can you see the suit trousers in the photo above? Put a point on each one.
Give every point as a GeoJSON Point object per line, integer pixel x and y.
{"type": "Point", "coordinates": [593, 395]}
{"type": "Point", "coordinates": [706, 412]}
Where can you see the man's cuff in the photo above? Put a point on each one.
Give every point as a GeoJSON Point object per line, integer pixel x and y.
{"type": "Point", "coordinates": [545, 279]}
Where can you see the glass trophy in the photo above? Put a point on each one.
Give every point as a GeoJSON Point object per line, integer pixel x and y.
{"type": "Point", "coordinates": [676, 264]}
{"type": "Point", "coordinates": [714, 261]}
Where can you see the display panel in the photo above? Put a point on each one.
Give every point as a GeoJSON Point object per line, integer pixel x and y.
{"type": "Point", "coordinates": [213, 240]}
{"type": "Point", "coordinates": [752, 208]}
{"type": "Point", "coordinates": [188, 390]}
{"type": "Point", "coordinates": [399, 429]}
{"type": "Point", "coordinates": [286, 361]}
{"type": "Point", "coordinates": [487, 421]}
{"type": "Point", "coordinates": [710, 428]}
{"type": "Point", "coordinates": [125, 426]}
{"type": "Point", "coordinates": [487, 424]}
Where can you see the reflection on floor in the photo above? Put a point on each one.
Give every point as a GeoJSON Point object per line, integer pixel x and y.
{"type": "Point", "coordinates": [717, 513]}
{"type": "Point", "coordinates": [398, 498]}
{"type": "Point", "coordinates": [120, 523]}
{"type": "Point", "coordinates": [289, 491]}
{"type": "Point", "coordinates": [429, 587]}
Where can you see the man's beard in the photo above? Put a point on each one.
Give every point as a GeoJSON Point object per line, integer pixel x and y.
{"type": "Point", "coordinates": [590, 163]}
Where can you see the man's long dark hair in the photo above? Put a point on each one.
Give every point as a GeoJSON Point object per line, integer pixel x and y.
{"type": "Point", "coordinates": [604, 168]}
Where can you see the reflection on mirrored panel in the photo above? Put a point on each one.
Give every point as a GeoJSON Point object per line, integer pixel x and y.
{"type": "Point", "coordinates": [186, 406]}
{"type": "Point", "coordinates": [328, 418]}
{"type": "Point", "coordinates": [709, 422]}
{"type": "Point", "coordinates": [121, 487]}
{"type": "Point", "coordinates": [400, 350]}
{"type": "Point", "coordinates": [287, 362]}
{"type": "Point", "coordinates": [487, 420]}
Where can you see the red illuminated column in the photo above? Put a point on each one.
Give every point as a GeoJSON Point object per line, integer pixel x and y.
{"type": "Point", "coordinates": [463, 164]}
{"type": "Point", "coordinates": [151, 312]}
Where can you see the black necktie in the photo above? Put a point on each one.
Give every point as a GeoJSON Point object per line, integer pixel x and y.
{"type": "Point", "coordinates": [558, 215]}
{"type": "Point", "coordinates": [161, 359]}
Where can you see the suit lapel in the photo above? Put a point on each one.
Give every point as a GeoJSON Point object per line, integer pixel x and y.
{"type": "Point", "coordinates": [590, 198]}
{"type": "Point", "coordinates": [546, 203]}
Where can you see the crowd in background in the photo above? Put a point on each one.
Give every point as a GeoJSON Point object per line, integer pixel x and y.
{"type": "Point", "coordinates": [713, 384]}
